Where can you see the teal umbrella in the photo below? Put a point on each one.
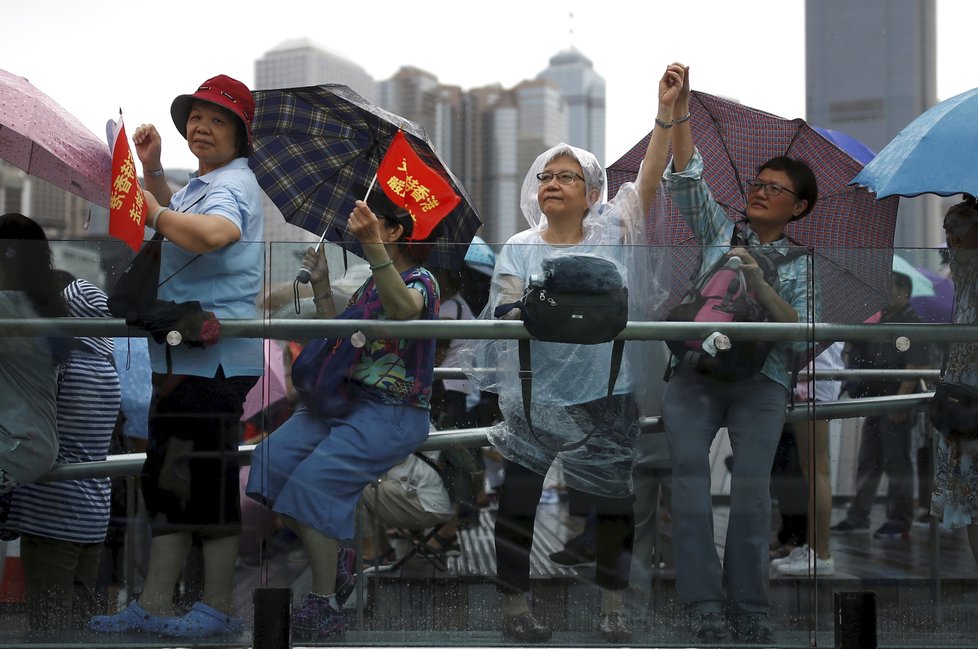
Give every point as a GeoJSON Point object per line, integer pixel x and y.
{"type": "Point", "coordinates": [922, 285]}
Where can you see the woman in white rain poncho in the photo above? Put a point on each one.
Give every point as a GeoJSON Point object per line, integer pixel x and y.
{"type": "Point", "coordinates": [560, 200]}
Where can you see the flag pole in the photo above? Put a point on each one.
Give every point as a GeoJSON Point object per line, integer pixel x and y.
{"type": "Point", "coordinates": [304, 275]}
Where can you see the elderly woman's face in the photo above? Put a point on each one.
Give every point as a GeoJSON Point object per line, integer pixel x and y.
{"type": "Point", "coordinates": [562, 189]}
{"type": "Point", "coordinates": [210, 135]}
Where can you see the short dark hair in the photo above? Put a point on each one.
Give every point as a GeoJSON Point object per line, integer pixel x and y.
{"type": "Point", "coordinates": [903, 282]}
{"type": "Point", "coordinates": [384, 208]}
{"type": "Point", "coordinates": [802, 177]}
{"type": "Point", "coordinates": [969, 204]}
{"type": "Point", "coordinates": [26, 265]}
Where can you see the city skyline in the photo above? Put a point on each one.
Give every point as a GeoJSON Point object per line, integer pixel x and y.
{"type": "Point", "coordinates": [729, 46]}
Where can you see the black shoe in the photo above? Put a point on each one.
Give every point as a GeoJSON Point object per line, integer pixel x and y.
{"type": "Point", "coordinates": [891, 530]}
{"type": "Point", "coordinates": [845, 527]}
{"type": "Point", "coordinates": [709, 627]}
{"type": "Point", "coordinates": [613, 628]}
{"type": "Point", "coordinates": [525, 628]}
{"type": "Point", "coordinates": [575, 554]}
{"type": "Point", "coordinates": [752, 628]}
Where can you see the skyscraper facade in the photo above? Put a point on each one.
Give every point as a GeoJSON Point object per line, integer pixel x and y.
{"type": "Point", "coordinates": [300, 62]}
{"type": "Point", "coordinates": [584, 91]}
{"type": "Point", "coordinates": [489, 136]}
{"type": "Point", "coordinates": [871, 68]}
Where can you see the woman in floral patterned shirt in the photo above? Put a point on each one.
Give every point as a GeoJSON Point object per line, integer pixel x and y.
{"type": "Point", "coordinates": [955, 500]}
{"type": "Point", "coordinates": [313, 469]}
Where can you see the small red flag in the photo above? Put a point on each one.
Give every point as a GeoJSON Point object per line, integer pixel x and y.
{"type": "Point", "coordinates": [127, 206]}
{"type": "Point", "coordinates": [415, 186]}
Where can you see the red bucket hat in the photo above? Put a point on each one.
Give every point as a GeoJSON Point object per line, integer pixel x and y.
{"type": "Point", "coordinates": [221, 90]}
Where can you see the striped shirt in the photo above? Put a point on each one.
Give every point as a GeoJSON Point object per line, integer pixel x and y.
{"type": "Point", "coordinates": [88, 403]}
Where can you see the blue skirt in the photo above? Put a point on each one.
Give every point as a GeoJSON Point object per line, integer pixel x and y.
{"type": "Point", "coordinates": [314, 470]}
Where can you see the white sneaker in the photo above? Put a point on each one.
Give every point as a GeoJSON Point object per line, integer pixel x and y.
{"type": "Point", "coordinates": [808, 565]}
{"type": "Point", "coordinates": [798, 554]}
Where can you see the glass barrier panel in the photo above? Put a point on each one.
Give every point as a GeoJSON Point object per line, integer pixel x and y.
{"type": "Point", "coordinates": [683, 482]}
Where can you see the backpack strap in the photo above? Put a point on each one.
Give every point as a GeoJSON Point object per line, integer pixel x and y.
{"type": "Point", "coordinates": [526, 384]}
{"type": "Point", "coordinates": [434, 465]}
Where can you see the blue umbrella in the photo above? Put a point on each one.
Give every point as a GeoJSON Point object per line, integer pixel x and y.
{"type": "Point", "coordinates": [934, 154]}
{"type": "Point", "coordinates": [847, 143]}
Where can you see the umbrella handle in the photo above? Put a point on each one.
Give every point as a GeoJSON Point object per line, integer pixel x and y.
{"type": "Point", "coordinates": [304, 276]}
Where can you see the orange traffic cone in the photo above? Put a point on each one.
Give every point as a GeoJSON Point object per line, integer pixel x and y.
{"type": "Point", "coordinates": [12, 575]}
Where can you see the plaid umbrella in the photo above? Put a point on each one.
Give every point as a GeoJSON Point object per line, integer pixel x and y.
{"type": "Point", "coordinates": [316, 150]}
{"type": "Point", "coordinates": [849, 232]}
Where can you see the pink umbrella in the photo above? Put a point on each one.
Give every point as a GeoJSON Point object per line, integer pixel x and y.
{"type": "Point", "coordinates": [46, 141]}
{"type": "Point", "coordinates": [271, 386]}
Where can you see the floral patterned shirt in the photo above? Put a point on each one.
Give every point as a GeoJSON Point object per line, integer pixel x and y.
{"type": "Point", "coordinates": [400, 369]}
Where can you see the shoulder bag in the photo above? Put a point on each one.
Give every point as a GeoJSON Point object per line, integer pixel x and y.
{"type": "Point", "coordinates": [580, 298]}
{"type": "Point", "coordinates": [954, 408]}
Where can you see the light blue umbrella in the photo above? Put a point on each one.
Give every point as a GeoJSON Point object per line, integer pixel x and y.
{"type": "Point", "coordinates": [937, 153]}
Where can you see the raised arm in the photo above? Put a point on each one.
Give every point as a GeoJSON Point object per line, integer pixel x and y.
{"type": "Point", "coordinates": [149, 146]}
{"type": "Point", "coordinates": [682, 135]}
{"type": "Point", "coordinates": [657, 154]}
{"type": "Point", "coordinates": [400, 302]}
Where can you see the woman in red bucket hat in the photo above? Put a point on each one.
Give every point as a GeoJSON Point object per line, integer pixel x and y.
{"type": "Point", "coordinates": [212, 253]}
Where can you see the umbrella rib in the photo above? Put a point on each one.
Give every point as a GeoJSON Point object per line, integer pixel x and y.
{"type": "Point", "coordinates": [726, 150]}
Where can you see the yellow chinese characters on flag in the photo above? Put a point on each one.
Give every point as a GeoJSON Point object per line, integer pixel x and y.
{"type": "Point", "coordinates": [127, 207]}
{"type": "Point", "coordinates": [415, 186]}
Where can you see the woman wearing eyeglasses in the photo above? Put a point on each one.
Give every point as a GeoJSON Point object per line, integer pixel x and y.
{"type": "Point", "coordinates": [561, 201]}
{"type": "Point", "coordinates": [955, 499]}
{"type": "Point", "coordinates": [696, 404]}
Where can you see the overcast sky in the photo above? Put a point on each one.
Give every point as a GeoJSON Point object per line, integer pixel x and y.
{"type": "Point", "coordinates": [96, 56]}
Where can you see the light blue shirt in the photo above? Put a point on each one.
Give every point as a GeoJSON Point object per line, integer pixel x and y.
{"type": "Point", "coordinates": [713, 231]}
{"type": "Point", "coordinates": [225, 281]}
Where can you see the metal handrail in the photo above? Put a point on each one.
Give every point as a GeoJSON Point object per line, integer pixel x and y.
{"type": "Point", "coordinates": [483, 329]}
{"type": "Point", "coordinates": [116, 466]}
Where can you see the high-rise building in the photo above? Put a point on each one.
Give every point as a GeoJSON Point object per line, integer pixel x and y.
{"type": "Point", "coordinates": [871, 69]}
{"type": "Point", "coordinates": [584, 91]}
{"type": "Point", "coordinates": [62, 214]}
{"type": "Point", "coordinates": [418, 96]}
{"type": "Point", "coordinates": [300, 62]}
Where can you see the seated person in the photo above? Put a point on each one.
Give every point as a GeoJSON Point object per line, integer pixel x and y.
{"type": "Point", "coordinates": [409, 496]}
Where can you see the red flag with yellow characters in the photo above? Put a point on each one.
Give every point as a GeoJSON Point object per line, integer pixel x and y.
{"type": "Point", "coordinates": [127, 206]}
{"type": "Point", "coordinates": [415, 186]}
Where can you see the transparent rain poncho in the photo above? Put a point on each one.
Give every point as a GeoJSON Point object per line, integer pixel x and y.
{"type": "Point", "coordinates": [567, 375]}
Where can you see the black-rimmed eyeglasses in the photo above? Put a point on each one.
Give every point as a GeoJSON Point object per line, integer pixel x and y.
{"type": "Point", "coordinates": [771, 189]}
{"type": "Point", "coordinates": [564, 177]}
